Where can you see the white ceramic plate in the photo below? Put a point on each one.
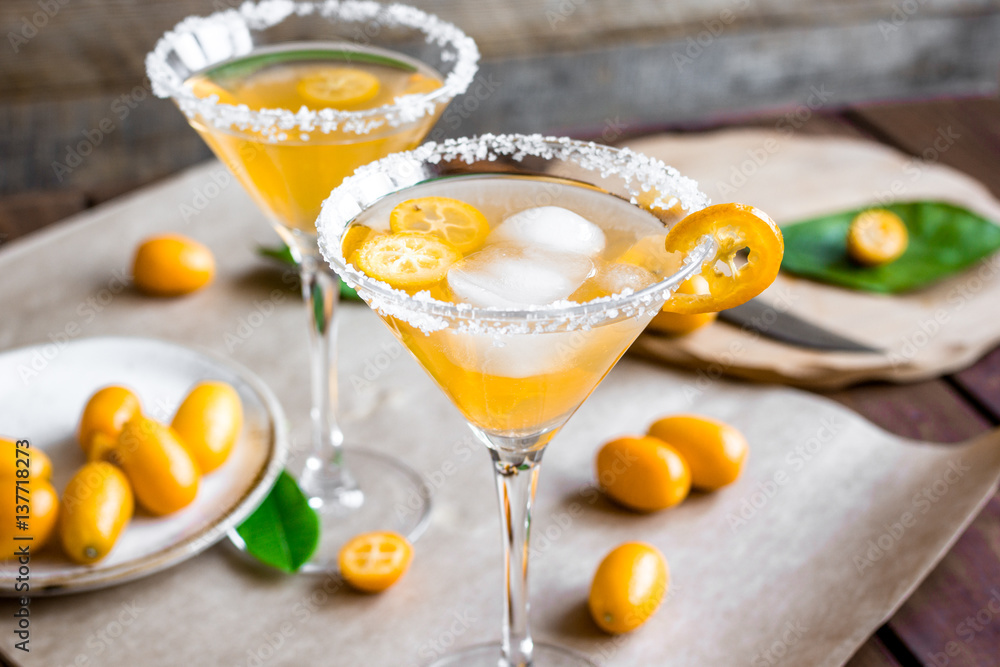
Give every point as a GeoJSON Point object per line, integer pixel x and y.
{"type": "Point", "coordinates": [43, 392]}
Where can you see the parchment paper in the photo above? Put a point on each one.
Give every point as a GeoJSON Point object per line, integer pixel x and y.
{"type": "Point", "coordinates": [796, 564]}
{"type": "Point", "coordinates": [924, 334]}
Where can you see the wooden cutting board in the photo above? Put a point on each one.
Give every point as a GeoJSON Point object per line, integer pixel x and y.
{"type": "Point", "coordinates": [924, 334]}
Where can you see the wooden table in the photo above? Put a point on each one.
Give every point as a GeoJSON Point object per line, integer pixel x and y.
{"type": "Point", "coordinates": [952, 618]}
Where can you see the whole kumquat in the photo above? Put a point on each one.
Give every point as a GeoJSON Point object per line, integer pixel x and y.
{"type": "Point", "coordinates": [715, 451]}
{"type": "Point", "coordinates": [628, 587]}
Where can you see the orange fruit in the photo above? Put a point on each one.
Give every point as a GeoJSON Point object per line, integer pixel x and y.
{"type": "Point", "coordinates": [96, 506]}
{"type": "Point", "coordinates": [460, 224]}
{"type": "Point", "coordinates": [106, 413]}
{"type": "Point", "coordinates": [354, 238]}
{"type": "Point", "coordinates": [163, 474]}
{"type": "Point", "coordinates": [33, 502]}
{"type": "Point", "coordinates": [373, 562]}
{"type": "Point", "coordinates": [642, 473]}
{"type": "Point", "coordinates": [209, 422]}
{"type": "Point", "coordinates": [102, 448]}
{"type": "Point", "coordinates": [677, 324]}
{"type": "Point", "coordinates": [628, 587]}
{"type": "Point", "coordinates": [172, 265]}
{"type": "Point", "coordinates": [339, 87]}
{"type": "Point", "coordinates": [409, 260]}
{"type": "Point", "coordinates": [715, 451]}
{"type": "Point", "coordinates": [734, 227]}
{"type": "Point", "coordinates": [203, 88]}
{"type": "Point", "coordinates": [23, 462]}
{"type": "Point", "coordinates": [877, 237]}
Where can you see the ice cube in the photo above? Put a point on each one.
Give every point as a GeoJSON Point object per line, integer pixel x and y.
{"type": "Point", "coordinates": [550, 227]}
{"type": "Point", "coordinates": [613, 278]}
{"type": "Point", "coordinates": [510, 276]}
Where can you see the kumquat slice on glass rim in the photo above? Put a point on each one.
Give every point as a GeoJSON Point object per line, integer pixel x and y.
{"type": "Point", "coordinates": [734, 227]}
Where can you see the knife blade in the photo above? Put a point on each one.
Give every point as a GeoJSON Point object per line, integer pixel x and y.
{"type": "Point", "coordinates": [783, 326]}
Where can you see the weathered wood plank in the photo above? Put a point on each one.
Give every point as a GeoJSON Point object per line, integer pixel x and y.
{"type": "Point", "coordinates": [964, 134]}
{"type": "Point", "coordinates": [982, 382]}
{"type": "Point", "coordinates": [932, 616]}
{"type": "Point", "coordinates": [123, 137]}
{"type": "Point", "coordinates": [624, 64]}
{"type": "Point", "coordinates": [30, 211]}
{"type": "Point", "coordinates": [929, 410]}
{"type": "Point", "coordinates": [86, 45]}
{"type": "Point", "coordinates": [873, 653]}
{"type": "Point", "coordinates": [954, 617]}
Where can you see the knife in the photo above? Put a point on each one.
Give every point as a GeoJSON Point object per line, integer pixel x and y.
{"type": "Point", "coordinates": [768, 321]}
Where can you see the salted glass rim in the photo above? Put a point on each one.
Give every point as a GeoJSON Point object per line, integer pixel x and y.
{"type": "Point", "coordinates": [256, 16]}
{"type": "Point", "coordinates": [393, 173]}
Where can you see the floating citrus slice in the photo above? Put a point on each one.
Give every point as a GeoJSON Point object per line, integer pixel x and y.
{"type": "Point", "coordinates": [339, 86]}
{"type": "Point", "coordinates": [375, 561]}
{"type": "Point", "coordinates": [876, 237]}
{"type": "Point", "coordinates": [355, 237]}
{"type": "Point", "coordinates": [407, 261]}
{"type": "Point", "coordinates": [460, 224]}
{"type": "Point", "coordinates": [205, 88]}
{"type": "Point", "coordinates": [734, 227]}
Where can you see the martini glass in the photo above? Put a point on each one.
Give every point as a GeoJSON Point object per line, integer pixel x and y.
{"type": "Point", "coordinates": [517, 374]}
{"type": "Point", "coordinates": [289, 157]}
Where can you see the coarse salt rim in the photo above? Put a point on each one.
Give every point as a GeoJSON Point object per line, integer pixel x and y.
{"type": "Point", "coordinates": [276, 124]}
{"type": "Point", "coordinates": [638, 172]}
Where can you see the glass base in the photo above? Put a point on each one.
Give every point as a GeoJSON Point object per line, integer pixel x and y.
{"type": "Point", "coordinates": [488, 655]}
{"type": "Point", "coordinates": [389, 496]}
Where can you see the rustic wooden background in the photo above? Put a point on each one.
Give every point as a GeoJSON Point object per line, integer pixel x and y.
{"type": "Point", "coordinates": [72, 78]}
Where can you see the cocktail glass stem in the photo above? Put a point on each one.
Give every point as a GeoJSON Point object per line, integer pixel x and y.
{"type": "Point", "coordinates": [325, 478]}
{"type": "Point", "coordinates": [516, 477]}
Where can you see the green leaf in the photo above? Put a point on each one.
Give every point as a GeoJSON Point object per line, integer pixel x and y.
{"type": "Point", "coordinates": [280, 253]}
{"type": "Point", "coordinates": [284, 255]}
{"type": "Point", "coordinates": [284, 531]}
{"type": "Point", "coordinates": [944, 240]}
{"type": "Point", "coordinates": [242, 67]}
